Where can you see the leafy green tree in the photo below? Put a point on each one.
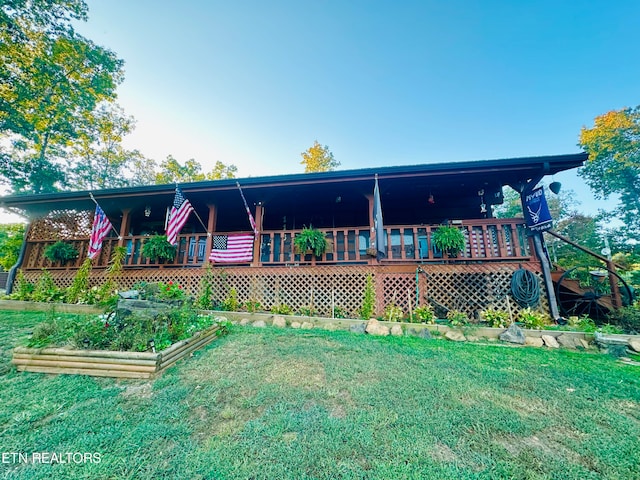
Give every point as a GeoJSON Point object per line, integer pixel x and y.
{"type": "Point", "coordinates": [318, 159]}
{"type": "Point", "coordinates": [101, 158]}
{"type": "Point", "coordinates": [613, 167]}
{"type": "Point", "coordinates": [172, 171]}
{"type": "Point", "coordinates": [11, 237]}
{"type": "Point", "coordinates": [51, 79]}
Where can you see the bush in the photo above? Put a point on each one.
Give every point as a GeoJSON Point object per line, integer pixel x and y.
{"type": "Point", "coordinates": [282, 309]}
{"type": "Point", "coordinates": [45, 290]}
{"type": "Point", "coordinates": [368, 300]}
{"type": "Point", "coordinates": [393, 313]}
{"type": "Point", "coordinates": [533, 319]}
{"type": "Point", "coordinates": [496, 318]}
{"type": "Point", "coordinates": [628, 318]}
{"type": "Point", "coordinates": [457, 318]}
{"type": "Point", "coordinates": [424, 314]}
{"type": "Point", "coordinates": [231, 303]}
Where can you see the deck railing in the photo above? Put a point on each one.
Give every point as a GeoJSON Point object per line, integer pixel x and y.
{"type": "Point", "coordinates": [486, 240]}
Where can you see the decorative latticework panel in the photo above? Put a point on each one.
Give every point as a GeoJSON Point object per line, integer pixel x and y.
{"type": "Point", "coordinates": [62, 225]}
{"type": "Point", "coordinates": [468, 288]}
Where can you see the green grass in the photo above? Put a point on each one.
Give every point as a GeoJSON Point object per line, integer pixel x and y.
{"type": "Point", "coordinates": [291, 404]}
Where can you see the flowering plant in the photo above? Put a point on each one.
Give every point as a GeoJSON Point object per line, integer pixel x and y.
{"type": "Point", "coordinates": [170, 291]}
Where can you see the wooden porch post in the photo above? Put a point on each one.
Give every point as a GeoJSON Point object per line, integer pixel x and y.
{"type": "Point", "coordinates": [256, 242]}
{"type": "Point", "coordinates": [211, 228]}
{"type": "Point", "coordinates": [124, 226]}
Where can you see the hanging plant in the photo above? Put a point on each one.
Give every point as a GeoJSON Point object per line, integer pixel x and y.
{"type": "Point", "coordinates": [158, 248]}
{"type": "Point", "coordinates": [61, 252]}
{"type": "Point", "coordinates": [449, 239]}
{"type": "Point", "coordinates": [310, 239]}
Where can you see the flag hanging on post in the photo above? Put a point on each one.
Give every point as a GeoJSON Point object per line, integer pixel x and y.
{"type": "Point", "coordinates": [99, 230]}
{"type": "Point", "coordinates": [377, 222]}
{"type": "Point", "coordinates": [254, 227]}
{"type": "Point", "coordinates": [178, 216]}
{"type": "Point", "coordinates": [232, 248]}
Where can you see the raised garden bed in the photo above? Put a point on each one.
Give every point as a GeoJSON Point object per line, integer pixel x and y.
{"type": "Point", "coordinates": [103, 363]}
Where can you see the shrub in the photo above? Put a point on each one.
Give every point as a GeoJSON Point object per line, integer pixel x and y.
{"type": "Point", "coordinates": [24, 289]}
{"type": "Point", "coordinates": [252, 306]}
{"type": "Point", "coordinates": [307, 311]}
{"type": "Point", "coordinates": [339, 312]}
{"type": "Point", "coordinates": [368, 300]}
{"type": "Point", "coordinates": [628, 318]}
{"type": "Point", "coordinates": [45, 290]}
{"type": "Point", "coordinates": [78, 292]}
{"type": "Point", "coordinates": [424, 314]}
{"type": "Point", "coordinates": [170, 291]}
{"type": "Point", "coordinates": [393, 313]}
{"type": "Point", "coordinates": [282, 309]}
{"type": "Point", "coordinates": [205, 297]}
{"type": "Point", "coordinates": [457, 318]}
{"type": "Point", "coordinates": [231, 304]}
{"type": "Point", "coordinates": [533, 319]}
{"type": "Point", "coordinates": [496, 318]}
{"type": "Point", "coordinates": [61, 252]}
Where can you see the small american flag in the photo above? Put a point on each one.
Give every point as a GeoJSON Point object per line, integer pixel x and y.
{"type": "Point", "coordinates": [232, 248]}
{"type": "Point", "coordinates": [178, 216]}
{"type": "Point", "coordinates": [99, 230]}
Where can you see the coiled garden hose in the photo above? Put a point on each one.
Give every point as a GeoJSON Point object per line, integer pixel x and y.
{"type": "Point", "coordinates": [525, 288]}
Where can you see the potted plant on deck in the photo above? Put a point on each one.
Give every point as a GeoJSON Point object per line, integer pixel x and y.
{"type": "Point", "coordinates": [449, 239]}
{"type": "Point", "coordinates": [310, 240]}
{"type": "Point", "coordinates": [61, 252]}
{"type": "Point", "coordinates": [158, 248]}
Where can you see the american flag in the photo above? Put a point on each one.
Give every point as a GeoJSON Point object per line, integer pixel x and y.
{"type": "Point", "coordinates": [178, 216]}
{"type": "Point", "coordinates": [99, 230]}
{"type": "Point", "coordinates": [232, 248]}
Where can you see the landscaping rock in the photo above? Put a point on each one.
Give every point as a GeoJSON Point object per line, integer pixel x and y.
{"type": "Point", "coordinates": [550, 341]}
{"type": "Point", "coordinates": [296, 324]}
{"type": "Point", "coordinates": [129, 294]}
{"type": "Point", "coordinates": [259, 324]}
{"type": "Point", "coordinates": [245, 321]}
{"type": "Point", "coordinates": [634, 344]}
{"type": "Point", "coordinates": [307, 326]}
{"type": "Point", "coordinates": [420, 332]}
{"type": "Point", "coordinates": [358, 328]}
{"type": "Point", "coordinates": [331, 327]}
{"type": "Point", "coordinates": [374, 327]}
{"type": "Point", "coordinates": [279, 321]}
{"type": "Point", "coordinates": [567, 341]}
{"type": "Point", "coordinates": [534, 341]}
{"type": "Point", "coordinates": [396, 331]}
{"type": "Point", "coordinates": [513, 334]}
{"type": "Point", "coordinates": [455, 336]}
{"type": "Point", "coordinates": [584, 343]}
{"type": "Point", "coordinates": [473, 338]}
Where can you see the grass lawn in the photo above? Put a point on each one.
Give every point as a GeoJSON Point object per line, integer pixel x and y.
{"type": "Point", "coordinates": [292, 404]}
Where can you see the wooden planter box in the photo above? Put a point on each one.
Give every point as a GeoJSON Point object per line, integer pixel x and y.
{"type": "Point", "coordinates": [106, 363]}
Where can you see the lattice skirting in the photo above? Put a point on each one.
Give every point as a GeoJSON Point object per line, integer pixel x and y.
{"type": "Point", "coordinates": [468, 288]}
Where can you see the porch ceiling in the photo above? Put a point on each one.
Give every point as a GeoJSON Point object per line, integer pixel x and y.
{"type": "Point", "coordinates": [451, 184]}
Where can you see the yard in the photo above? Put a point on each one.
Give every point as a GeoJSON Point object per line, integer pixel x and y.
{"type": "Point", "coordinates": [278, 404]}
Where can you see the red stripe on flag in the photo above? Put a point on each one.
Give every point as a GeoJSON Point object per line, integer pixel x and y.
{"type": "Point", "coordinates": [99, 230]}
{"type": "Point", "coordinates": [232, 248]}
{"type": "Point", "coordinates": [177, 219]}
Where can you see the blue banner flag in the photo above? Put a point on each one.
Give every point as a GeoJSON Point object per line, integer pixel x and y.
{"type": "Point", "coordinates": [537, 211]}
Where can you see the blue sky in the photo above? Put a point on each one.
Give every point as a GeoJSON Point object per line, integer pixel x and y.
{"type": "Point", "coordinates": [254, 83]}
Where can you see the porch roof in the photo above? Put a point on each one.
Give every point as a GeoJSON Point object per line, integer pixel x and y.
{"type": "Point", "coordinates": [451, 179]}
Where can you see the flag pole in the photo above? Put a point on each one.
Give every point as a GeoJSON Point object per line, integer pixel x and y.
{"type": "Point", "coordinates": [251, 220]}
{"type": "Point", "coordinates": [112, 227]}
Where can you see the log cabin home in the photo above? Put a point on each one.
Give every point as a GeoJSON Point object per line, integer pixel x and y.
{"type": "Point", "coordinates": [415, 200]}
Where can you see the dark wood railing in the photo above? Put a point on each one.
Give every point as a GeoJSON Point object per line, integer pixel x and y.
{"type": "Point", "coordinates": [486, 240]}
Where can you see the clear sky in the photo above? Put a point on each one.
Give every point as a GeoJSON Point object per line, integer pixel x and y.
{"type": "Point", "coordinates": [254, 83]}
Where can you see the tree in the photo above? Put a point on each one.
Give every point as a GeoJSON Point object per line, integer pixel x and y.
{"type": "Point", "coordinates": [613, 167]}
{"type": "Point", "coordinates": [101, 158]}
{"type": "Point", "coordinates": [318, 159]}
{"type": "Point", "coordinates": [51, 79]}
{"type": "Point", "coordinates": [11, 237]}
{"type": "Point", "coordinates": [172, 171]}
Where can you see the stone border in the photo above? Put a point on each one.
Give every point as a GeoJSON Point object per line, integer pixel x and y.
{"type": "Point", "coordinates": [537, 338]}
{"type": "Point", "coordinates": [104, 363]}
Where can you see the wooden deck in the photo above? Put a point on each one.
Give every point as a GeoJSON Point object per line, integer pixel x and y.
{"type": "Point", "coordinates": [488, 240]}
